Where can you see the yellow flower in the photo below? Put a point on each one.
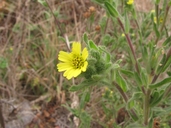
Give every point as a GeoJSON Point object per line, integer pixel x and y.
{"type": "Point", "coordinates": [153, 11]}
{"type": "Point", "coordinates": [123, 35]}
{"type": "Point", "coordinates": [11, 48]}
{"type": "Point", "coordinates": [155, 20]}
{"type": "Point", "coordinates": [73, 63]}
{"type": "Point", "coordinates": [130, 2]}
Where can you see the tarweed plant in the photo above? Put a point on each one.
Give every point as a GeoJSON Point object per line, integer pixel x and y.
{"type": "Point", "coordinates": [131, 67]}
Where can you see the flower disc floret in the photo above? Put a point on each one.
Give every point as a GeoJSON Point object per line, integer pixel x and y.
{"type": "Point", "coordinates": [73, 63]}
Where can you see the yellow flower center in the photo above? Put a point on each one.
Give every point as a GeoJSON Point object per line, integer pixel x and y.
{"type": "Point", "coordinates": [78, 62]}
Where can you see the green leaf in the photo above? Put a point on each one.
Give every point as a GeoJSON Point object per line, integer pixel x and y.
{"type": "Point", "coordinates": [160, 67]}
{"type": "Point", "coordinates": [156, 30]}
{"type": "Point", "coordinates": [157, 1]}
{"type": "Point", "coordinates": [156, 98]}
{"type": "Point", "coordinates": [161, 83]}
{"type": "Point", "coordinates": [112, 11]}
{"type": "Point", "coordinates": [167, 41]}
{"type": "Point", "coordinates": [85, 38]}
{"type": "Point", "coordinates": [167, 64]}
{"type": "Point", "coordinates": [136, 96]}
{"type": "Point", "coordinates": [3, 63]}
{"type": "Point", "coordinates": [81, 86]}
{"type": "Point", "coordinates": [127, 24]}
{"type": "Point", "coordinates": [92, 45]}
{"type": "Point", "coordinates": [85, 120]}
{"type": "Point", "coordinates": [87, 97]}
{"type": "Point", "coordinates": [97, 77]}
{"type": "Point", "coordinates": [137, 78]}
{"type": "Point", "coordinates": [131, 104]}
{"type": "Point", "coordinates": [121, 81]}
{"type": "Point", "coordinates": [84, 98]}
{"type": "Point", "coordinates": [144, 77]}
{"type": "Point", "coordinates": [127, 72]}
{"type": "Point", "coordinates": [43, 2]}
{"type": "Point", "coordinates": [115, 66]}
{"type": "Point", "coordinates": [169, 3]}
{"type": "Point", "coordinates": [108, 56]}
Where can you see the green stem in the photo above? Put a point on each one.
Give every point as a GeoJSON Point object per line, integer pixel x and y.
{"type": "Point", "coordinates": [125, 97]}
{"type": "Point", "coordinates": [147, 106]}
{"type": "Point", "coordinates": [147, 96]}
{"type": "Point", "coordinates": [157, 12]}
{"type": "Point", "coordinates": [164, 22]}
{"type": "Point", "coordinates": [165, 17]}
{"type": "Point", "coordinates": [130, 45]}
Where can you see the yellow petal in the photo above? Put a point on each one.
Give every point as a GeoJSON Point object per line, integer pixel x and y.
{"type": "Point", "coordinates": [85, 66]}
{"type": "Point", "coordinates": [76, 48]}
{"type": "Point", "coordinates": [68, 73]}
{"type": "Point", "coordinates": [85, 54]}
{"type": "Point", "coordinates": [63, 66]}
{"type": "Point", "coordinates": [72, 73]}
{"type": "Point", "coordinates": [76, 72]}
{"type": "Point", "coordinates": [64, 56]}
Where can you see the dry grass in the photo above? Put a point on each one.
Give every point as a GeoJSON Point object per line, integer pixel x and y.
{"type": "Point", "coordinates": [30, 41]}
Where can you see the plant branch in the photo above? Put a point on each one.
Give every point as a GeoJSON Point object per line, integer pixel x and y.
{"type": "Point", "coordinates": [130, 45]}
{"type": "Point", "coordinates": [165, 17]}
{"type": "Point", "coordinates": [125, 97]}
{"type": "Point", "coordinates": [157, 75]}
{"type": "Point", "coordinates": [147, 106]}
{"type": "Point", "coordinates": [164, 22]}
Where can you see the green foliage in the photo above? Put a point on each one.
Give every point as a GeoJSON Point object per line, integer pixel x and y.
{"type": "Point", "coordinates": [3, 63]}
{"type": "Point", "coordinates": [111, 9]}
{"type": "Point", "coordinates": [129, 60]}
{"type": "Point", "coordinates": [135, 76]}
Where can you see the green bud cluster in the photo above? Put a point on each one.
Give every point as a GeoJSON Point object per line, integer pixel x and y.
{"type": "Point", "coordinates": [95, 54]}
{"type": "Point", "coordinates": [100, 66]}
{"type": "Point", "coordinates": [89, 72]}
{"type": "Point", "coordinates": [96, 64]}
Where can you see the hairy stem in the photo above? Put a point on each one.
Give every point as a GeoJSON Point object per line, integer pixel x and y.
{"type": "Point", "coordinates": [146, 106]}
{"type": "Point", "coordinates": [165, 17]}
{"type": "Point", "coordinates": [130, 44]}
{"type": "Point", "coordinates": [147, 96]}
{"type": "Point", "coordinates": [164, 22]}
{"type": "Point", "coordinates": [125, 97]}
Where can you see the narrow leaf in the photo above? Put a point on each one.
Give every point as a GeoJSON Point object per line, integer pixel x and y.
{"type": "Point", "coordinates": [85, 38]}
{"type": "Point", "coordinates": [112, 11]}
{"type": "Point", "coordinates": [167, 41]}
{"type": "Point", "coordinates": [127, 24]}
{"type": "Point", "coordinates": [161, 83]}
{"type": "Point", "coordinates": [92, 45]}
{"type": "Point", "coordinates": [156, 30]}
{"type": "Point", "coordinates": [154, 103]}
{"type": "Point", "coordinates": [167, 64]}
{"type": "Point", "coordinates": [121, 82]}
{"type": "Point", "coordinates": [127, 72]}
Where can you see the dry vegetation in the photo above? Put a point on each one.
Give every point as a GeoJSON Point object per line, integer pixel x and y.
{"type": "Point", "coordinates": [30, 39]}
